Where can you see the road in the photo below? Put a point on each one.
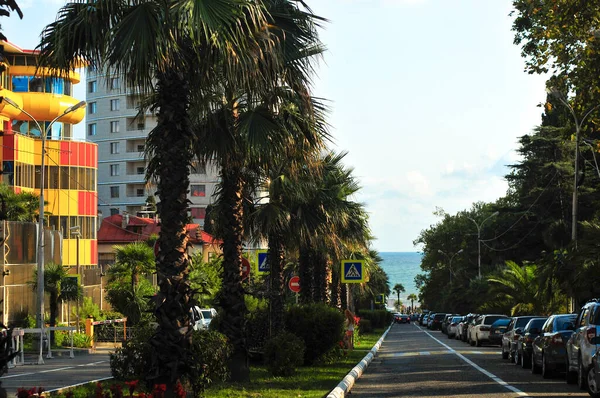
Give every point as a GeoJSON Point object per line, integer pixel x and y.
{"type": "Point", "coordinates": [57, 372]}
{"type": "Point", "coordinates": [416, 362]}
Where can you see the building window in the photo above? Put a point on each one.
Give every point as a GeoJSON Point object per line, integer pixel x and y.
{"type": "Point", "coordinates": [114, 126]}
{"type": "Point", "coordinates": [114, 211]}
{"type": "Point", "coordinates": [114, 148]}
{"type": "Point", "coordinates": [198, 190]}
{"type": "Point", "coordinates": [114, 170]}
{"type": "Point", "coordinates": [140, 192]}
{"type": "Point", "coordinates": [115, 83]}
{"type": "Point", "coordinates": [114, 104]}
{"type": "Point", "coordinates": [92, 129]}
{"type": "Point", "coordinates": [92, 108]}
{"type": "Point", "coordinates": [92, 86]}
{"type": "Point", "coordinates": [140, 148]}
{"type": "Point", "coordinates": [198, 213]}
{"type": "Point", "coordinates": [141, 170]}
{"type": "Point", "coordinates": [114, 193]}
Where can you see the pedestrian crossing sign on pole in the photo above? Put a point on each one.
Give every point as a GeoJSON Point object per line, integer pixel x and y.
{"type": "Point", "coordinates": [261, 260]}
{"type": "Point", "coordinates": [353, 271]}
{"type": "Point", "coordinates": [380, 298]}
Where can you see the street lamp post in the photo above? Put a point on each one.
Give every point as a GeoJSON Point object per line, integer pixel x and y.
{"type": "Point", "coordinates": [479, 226]}
{"type": "Point", "coordinates": [450, 258]}
{"type": "Point", "coordinates": [578, 124]}
{"type": "Point", "coordinates": [40, 249]}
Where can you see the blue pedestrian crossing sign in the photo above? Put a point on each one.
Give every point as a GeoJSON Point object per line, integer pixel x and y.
{"type": "Point", "coordinates": [263, 265]}
{"type": "Point", "coordinates": [353, 271]}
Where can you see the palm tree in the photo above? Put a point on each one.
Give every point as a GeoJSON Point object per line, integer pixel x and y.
{"type": "Point", "coordinates": [22, 206]}
{"type": "Point", "coordinates": [174, 41]}
{"type": "Point", "coordinates": [131, 261]}
{"type": "Point", "coordinates": [398, 288]}
{"type": "Point", "coordinates": [412, 297]}
{"type": "Point", "coordinates": [54, 278]}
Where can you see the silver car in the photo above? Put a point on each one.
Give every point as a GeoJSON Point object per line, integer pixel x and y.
{"type": "Point", "coordinates": [582, 346]}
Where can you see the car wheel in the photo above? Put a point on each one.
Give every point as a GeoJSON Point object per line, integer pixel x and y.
{"type": "Point", "coordinates": [535, 369]}
{"type": "Point", "coordinates": [517, 359]}
{"type": "Point", "coordinates": [546, 372]}
{"type": "Point", "coordinates": [525, 361]}
{"type": "Point", "coordinates": [593, 387]}
{"type": "Point", "coordinates": [511, 356]}
{"type": "Point", "coordinates": [504, 353]}
{"type": "Point", "coordinates": [571, 376]}
{"type": "Point", "coordinates": [581, 375]}
{"type": "Point", "coordinates": [477, 342]}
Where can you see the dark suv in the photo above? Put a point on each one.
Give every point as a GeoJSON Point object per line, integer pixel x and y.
{"type": "Point", "coordinates": [511, 336]}
{"type": "Point", "coordinates": [436, 323]}
{"type": "Point", "coordinates": [582, 346]}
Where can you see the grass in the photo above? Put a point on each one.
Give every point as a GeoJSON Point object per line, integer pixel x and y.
{"type": "Point", "coordinates": [308, 382]}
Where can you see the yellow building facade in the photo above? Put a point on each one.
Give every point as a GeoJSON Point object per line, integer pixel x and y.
{"type": "Point", "coordinates": [70, 187]}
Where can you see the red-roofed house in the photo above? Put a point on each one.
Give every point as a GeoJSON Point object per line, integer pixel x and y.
{"type": "Point", "coordinates": [121, 229]}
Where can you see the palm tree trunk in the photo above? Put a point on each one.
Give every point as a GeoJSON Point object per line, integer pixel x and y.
{"type": "Point", "coordinates": [305, 271]}
{"type": "Point", "coordinates": [276, 265]}
{"type": "Point", "coordinates": [321, 285]}
{"type": "Point", "coordinates": [231, 297]}
{"type": "Point", "coordinates": [336, 288]}
{"type": "Point", "coordinates": [53, 312]}
{"type": "Point", "coordinates": [172, 138]}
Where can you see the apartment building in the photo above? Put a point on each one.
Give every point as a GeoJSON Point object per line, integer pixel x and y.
{"type": "Point", "coordinates": [114, 123]}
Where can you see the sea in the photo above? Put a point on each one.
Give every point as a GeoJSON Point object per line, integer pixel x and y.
{"type": "Point", "coordinates": [401, 267]}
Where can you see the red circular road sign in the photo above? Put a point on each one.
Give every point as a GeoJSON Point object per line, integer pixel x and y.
{"type": "Point", "coordinates": [294, 284]}
{"type": "Point", "coordinates": [156, 248]}
{"type": "Point", "coordinates": [245, 268]}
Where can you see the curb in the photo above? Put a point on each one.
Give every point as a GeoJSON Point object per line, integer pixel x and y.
{"type": "Point", "coordinates": [346, 384]}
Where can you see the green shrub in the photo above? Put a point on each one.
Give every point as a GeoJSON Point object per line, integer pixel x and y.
{"type": "Point", "coordinates": [81, 340]}
{"type": "Point", "coordinates": [283, 354]}
{"type": "Point", "coordinates": [319, 326]}
{"type": "Point", "coordinates": [257, 326]}
{"type": "Point", "coordinates": [110, 315]}
{"type": "Point", "coordinates": [61, 338]}
{"type": "Point", "coordinates": [210, 352]}
{"type": "Point", "coordinates": [378, 318]}
{"type": "Point", "coordinates": [132, 361]}
{"type": "Point", "coordinates": [365, 325]}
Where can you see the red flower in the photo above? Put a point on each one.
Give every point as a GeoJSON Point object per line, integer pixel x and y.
{"type": "Point", "coordinates": [99, 391]}
{"type": "Point", "coordinates": [179, 391]}
{"type": "Point", "coordinates": [132, 386]}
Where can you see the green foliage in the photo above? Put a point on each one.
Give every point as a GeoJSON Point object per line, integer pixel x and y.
{"type": "Point", "coordinates": [257, 326]}
{"type": "Point", "coordinates": [378, 318]}
{"type": "Point", "coordinates": [110, 314]}
{"type": "Point", "coordinates": [211, 351]}
{"type": "Point", "coordinates": [205, 278]}
{"type": "Point", "coordinates": [22, 206]}
{"type": "Point", "coordinates": [319, 326]}
{"type": "Point", "coordinates": [87, 309]}
{"type": "Point", "coordinates": [132, 360]}
{"type": "Point", "coordinates": [81, 340]}
{"type": "Point", "coordinates": [283, 354]}
{"type": "Point", "coordinates": [134, 305]}
{"type": "Point", "coordinates": [365, 325]}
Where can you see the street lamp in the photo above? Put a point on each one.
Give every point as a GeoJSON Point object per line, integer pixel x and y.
{"type": "Point", "coordinates": [40, 249]}
{"type": "Point", "coordinates": [75, 232]}
{"type": "Point", "coordinates": [578, 123]}
{"type": "Point", "coordinates": [479, 239]}
{"type": "Point", "coordinates": [450, 258]}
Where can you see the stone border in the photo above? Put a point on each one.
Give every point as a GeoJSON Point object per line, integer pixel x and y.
{"type": "Point", "coordinates": [346, 384]}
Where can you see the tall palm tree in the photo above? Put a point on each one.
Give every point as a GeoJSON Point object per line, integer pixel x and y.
{"type": "Point", "coordinates": [241, 126]}
{"type": "Point", "coordinates": [412, 297]}
{"type": "Point", "coordinates": [23, 206]}
{"type": "Point", "coordinates": [398, 288]}
{"type": "Point", "coordinates": [160, 46]}
{"type": "Point", "coordinates": [131, 261]}
{"type": "Point", "coordinates": [517, 287]}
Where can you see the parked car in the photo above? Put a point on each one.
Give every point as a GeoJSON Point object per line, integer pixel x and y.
{"type": "Point", "coordinates": [470, 326]}
{"type": "Point", "coordinates": [497, 330]}
{"type": "Point", "coordinates": [463, 326]}
{"type": "Point", "coordinates": [425, 320]}
{"type": "Point", "coordinates": [436, 321]}
{"type": "Point", "coordinates": [401, 318]}
{"type": "Point", "coordinates": [453, 326]}
{"type": "Point", "coordinates": [532, 330]}
{"type": "Point", "coordinates": [446, 322]}
{"type": "Point", "coordinates": [208, 314]}
{"type": "Point", "coordinates": [582, 346]}
{"type": "Point", "coordinates": [197, 318]}
{"type": "Point", "coordinates": [593, 376]}
{"type": "Point", "coordinates": [430, 320]}
{"type": "Point", "coordinates": [511, 336]}
{"type": "Point", "coordinates": [480, 332]}
{"type": "Point", "coordinates": [549, 351]}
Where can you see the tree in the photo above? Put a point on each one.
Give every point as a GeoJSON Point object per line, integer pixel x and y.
{"type": "Point", "coordinates": [23, 206]}
{"type": "Point", "coordinates": [131, 261]}
{"type": "Point", "coordinates": [174, 41]}
{"type": "Point", "coordinates": [6, 7]}
{"type": "Point", "coordinates": [398, 288]}
{"type": "Point", "coordinates": [412, 297]}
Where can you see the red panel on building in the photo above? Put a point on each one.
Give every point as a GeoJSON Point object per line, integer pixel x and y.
{"type": "Point", "coordinates": [94, 156]}
{"type": "Point", "coordinates": [65, 153]}
{"type": "Point", "coordinates": [87, 203]}
{"type": "Point", "coordinates": [8, 151]}
{"type": "Point", "coordinates": [94, 251]}
{"type": "Point", "coordinates": [81, 153]}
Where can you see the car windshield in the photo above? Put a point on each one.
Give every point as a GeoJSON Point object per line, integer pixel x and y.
{"type": "Point", "coordinates": [456, 319]}
{"type": "Point", "coordinates": [501, 323]}
{"type": "Point", "coordinates": [491, 319]}
{"type": "Point", "coordinates": [561, 321]}
{"type": "Point", "coordinates": [521, 322]}
{"type": "Point", "coordinates": [206, 314]}
{"type": "Point", "coordinates": [536, 323]}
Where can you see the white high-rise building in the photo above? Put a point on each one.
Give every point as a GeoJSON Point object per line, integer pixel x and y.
{"type": "Point", "coordinates": [112, 122]}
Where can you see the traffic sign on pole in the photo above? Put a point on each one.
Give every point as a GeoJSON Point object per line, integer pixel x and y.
{"type": "Point", "coordinates": [245, 268]}
{"type": "Point", "coordinates": [353, 271]}
{"type": "Point", "coordinates": [263, 264]}
{"type": "Point", "coordinates": [294, 284]}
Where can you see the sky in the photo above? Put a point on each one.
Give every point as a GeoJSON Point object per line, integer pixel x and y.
{"type": "Point", "coordinates": [428, 97]}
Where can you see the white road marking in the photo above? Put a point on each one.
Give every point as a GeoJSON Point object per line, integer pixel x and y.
{"type": "Point", "coordinates": [479, 368]}
{"type": "Point", "coordinates": [424, 353]}
{"type": "Point", "coordinates": [50, 370]}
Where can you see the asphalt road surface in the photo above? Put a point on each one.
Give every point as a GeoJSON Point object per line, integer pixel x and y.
{"type": "Point", "coordinates": [58, 372]}
{"type": "Point", "coordinates": [416, 362]}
